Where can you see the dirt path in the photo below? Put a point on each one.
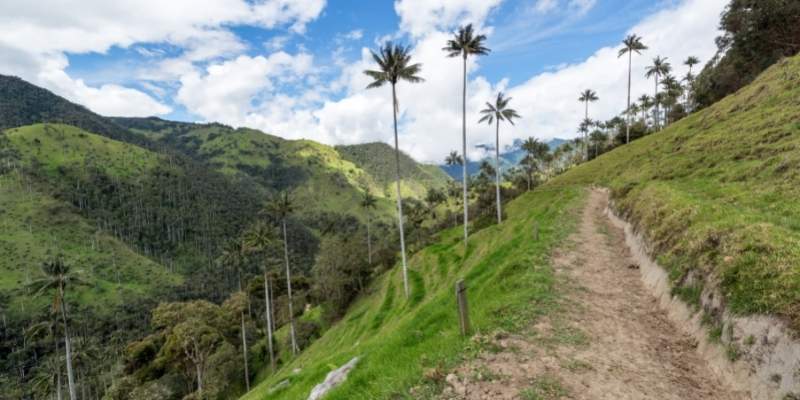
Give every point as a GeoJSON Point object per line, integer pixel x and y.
{"type": "Point", "coordinates": [609, 341]}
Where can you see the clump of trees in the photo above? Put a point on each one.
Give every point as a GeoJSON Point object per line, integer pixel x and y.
{"type": "Point", "coordinates": [756, 34]}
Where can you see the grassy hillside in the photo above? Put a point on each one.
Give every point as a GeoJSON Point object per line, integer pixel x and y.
{"type": "Point", "coordinates": [716, 194]}
{"type": "Point", "coordinates": [321, 177]}
{"type": "Point", "coordinates": [378, 159]}
{"type": "Point", "coordinates": [37, 227]}
{"type": "Point", "coordinates": [510, 283]}
{"type": "Point", "coordinates": [22, 103]}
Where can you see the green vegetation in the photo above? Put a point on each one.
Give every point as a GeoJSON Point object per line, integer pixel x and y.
{"type": "Point", "coordinates": [756, 35]}
{"type": "Point", "coordinates": [510, 283]}
{"type": "Point", "coordinates": [377, 160]}
{"type": "Point", "coordinates": [715, 194]}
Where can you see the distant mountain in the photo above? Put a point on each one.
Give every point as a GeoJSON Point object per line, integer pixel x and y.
{"type": "Point", "coordinates": [509, 158]}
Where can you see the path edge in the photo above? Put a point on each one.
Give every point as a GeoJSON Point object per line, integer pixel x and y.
{"type": "Point", "coordinates": [773, 353]}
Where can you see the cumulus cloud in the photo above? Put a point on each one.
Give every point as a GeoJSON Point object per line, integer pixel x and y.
{"type": "Point", "coordinates": [225, 92]}
{"type": "Point", "coordinates": [419, 17]}
{"type": "Point", "coordinates": [34, 39]}
{"type": "Point", "coordinates": [430, 120]}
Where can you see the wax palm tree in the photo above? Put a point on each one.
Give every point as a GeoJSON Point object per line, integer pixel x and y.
{"type": "Point", "coordinates": [395, 66]}
{"type": "Point", "coordinates": [632, 44]}
{"type": "Point", "coordinates": [672, 90]}
{"type": "Point", "coordinates": [689, 79]}
{"type": "Point", "coordinates": [368, 203]}
{"type": "Point", "coordinates": [497, 112]}
{"type": "Point", "coordinates": [691, 61]}
{"type": "Point", "coordinates": [587, 96]}
{"type": "Point", "coordinates": [280, 207]}
{"type": "Point", "coordinates": [58, 277]}
{"type": "Point", "coordinates": [453, 159]}
{"type": "Point", "coordinates": [465, 43]}
{"type": "Point", "coordinates": [645, 103]}
{"type": "Point", "coordinates": [536, 152]}
{"type": "Point", "coordinates": [233, 255]}
{"type": "Point", "coordinates": [258, 239]}
{"type": "Point", "coordinates": [659, 68]}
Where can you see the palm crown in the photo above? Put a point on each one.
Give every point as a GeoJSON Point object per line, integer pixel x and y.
{"type": "Point", "coordinates": [659, 67]}
{"type": "Point", "coordinates": [632, 44]}
{"type": "Point", "coordinates": [465, 42]}
{"type": "Point", "coordinates": [280, 206]}
{"type": "Point", "coordinates": [691, 61]}
{"type": "Point", "coordinates": [453, 159]}
{"type": "Point", "coordinates": [588, 95]}
{"type": "Point", "coordinates": [499, 110]}
{"type": "Point", "coordinates": [368, 201]}
{"type": "Point", "coordinates": [395, 65]}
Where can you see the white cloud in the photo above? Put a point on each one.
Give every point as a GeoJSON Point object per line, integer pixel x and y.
{"type": "Point", "coordinates": [430, 122]}
{"type": "Point", "coordinates": [419, 17]}
{"type": "Point", "coordinates": [225, 92]}
{"type": "Point", "coordinates": [34, 38]}
{"type": "Point", "coordinates": [545, 6]}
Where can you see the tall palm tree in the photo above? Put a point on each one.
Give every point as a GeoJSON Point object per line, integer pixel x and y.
{"type": "Point", "coordinates": [280, 208]}
{"type": "Point", "coordinates": [632, 44]}
{"type": "Point", "coordinates": [368, 203]}
{"type": "Point", "coordinates": [465, 43]}
{"type": "Point", "coordinates": [497, 112]}
{"type": "Point", "coordinates": [453, 159]}
{"type": "Point", "coordinates": [395, 66]}
{"type": "Point", "coordinates": [58, 277]}
{"type": "Point", "coordinates": [260, 238]}
{"type": "Point", "coordinates": [587, 96]}
{"type": "Point", "coordinates": [672, 90]}
{"type": "Point", "coordinates": [645, 102]}
{"type": "Point", "coordinates": [691, 61]}
{"type": "Point", "coordinates": [233, 255]}
{"type": "Point", "coordinates": [659, 68]}
{"type": "Point", "coordinates": [536, 152]}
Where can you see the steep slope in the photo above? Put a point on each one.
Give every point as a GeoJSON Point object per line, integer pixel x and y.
{"type": "Point", "coordinates": [321, 177]}
{"type": "Point", "coordinates": [378, 159]}
{"type": "Point", "coordinates": [716, 195]}
{"type": "Point", "coordinates": [510, 283]}
{"type": "Point", "coordinates": [22, 103]}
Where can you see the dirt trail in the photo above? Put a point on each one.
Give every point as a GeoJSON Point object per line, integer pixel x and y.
{"type": "Point", "coordinates": [609, 341]}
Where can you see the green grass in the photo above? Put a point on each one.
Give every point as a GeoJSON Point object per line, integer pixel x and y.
{"type": "Point", "coordinates": [510, 283]}
{"type": "Point", "coordinates": [57, 146]}
{"type": "Point", "coordinates": [716, 195]}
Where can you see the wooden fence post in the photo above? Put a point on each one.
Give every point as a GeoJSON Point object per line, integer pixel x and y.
{"type": "Point", "coordinates": [463, 308]}
{"type": "Point", "coordinates": [536, 231]}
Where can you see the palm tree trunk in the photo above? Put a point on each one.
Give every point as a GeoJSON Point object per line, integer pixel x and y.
{"type": "Point", "coordinates": [58, 385]}
{"type": "Point", "coordinates": [67, 348]}
{"type": "Point", "coordinates": [289, 287]}
{"type": "Point", "coordinates": [268, 313]}
{"type": "Point", "coordinates": [628, 127]}
{"type": "Point", "coordinates": [369, 242]}
{"type": "Point", "coordinates": [655, 110]}
{"type": "Point", "coordinates": [199, 378]}
{"type": "Point", "coordinates": [399, 195]}
{"type": "Point", "coordinates": [586, 133]}
{"type": "Point", "coordinates": [464, 148]}
{"type": "Point", "coordinates": [244, 353]}
{"type": "Point", "coordinates": [497, 169]}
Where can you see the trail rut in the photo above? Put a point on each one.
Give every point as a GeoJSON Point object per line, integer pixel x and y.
{"type": "Point", "coordinates": [609, 341]}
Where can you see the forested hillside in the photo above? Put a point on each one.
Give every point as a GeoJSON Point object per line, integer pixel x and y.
{"type": "Point", "coordinates": [147, 211]}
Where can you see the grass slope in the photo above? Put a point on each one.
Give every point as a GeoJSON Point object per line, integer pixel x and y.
{"type": "Point", "coordinates": [716, 195]}
{"type": "Point", "coordinates": [35, 227]}
{"type": "Point", "coordinates": [378, 159]}
{"type": "Point", "coordinates": [320, 177]}
{"type": "Point", "coordinates": [510, 282]}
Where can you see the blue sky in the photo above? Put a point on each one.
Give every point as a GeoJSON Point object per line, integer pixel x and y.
{"type": "Point", "coordinates": [293, 67]}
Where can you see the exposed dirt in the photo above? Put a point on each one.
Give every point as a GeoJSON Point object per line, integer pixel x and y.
{"type": "Point", "coordinates": [610, 340]}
